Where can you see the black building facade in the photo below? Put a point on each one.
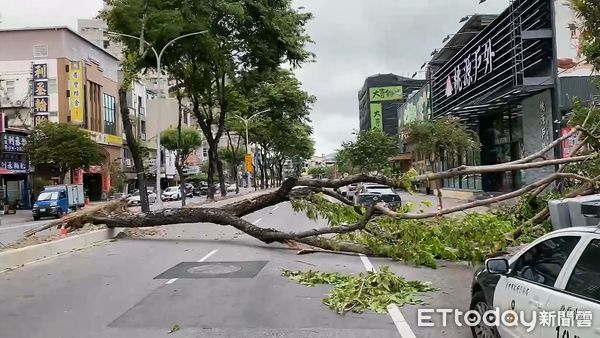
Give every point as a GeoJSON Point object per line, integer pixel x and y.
{"type": "Point", "coordinates": [503, 84]}
{"type": "Point", "coordinates": [380, 98]}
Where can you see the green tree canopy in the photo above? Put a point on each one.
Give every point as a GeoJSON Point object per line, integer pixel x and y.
{"type": "Point", "coordinates": [183, 146]}
{"type": "Point", "coordinates": [369, 153]}
{"type": "Point", "coordinates": [244, 39]}
{"type": "Point", "coordinates": [63, 146]}
{"type": "Point", "coordinates": [433, 138]}
{"type": "Point", "coordinates": [589, 12]}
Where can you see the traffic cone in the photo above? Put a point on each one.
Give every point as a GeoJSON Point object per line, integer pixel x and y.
{"type": "Point", "coordinates": [63, 231]}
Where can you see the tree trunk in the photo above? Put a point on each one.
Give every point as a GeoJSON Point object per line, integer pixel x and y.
{"type": "Point", "coordinates": [132, 143]}
{"type": "Point", "coordinates": [211, 173]}
{"type": "Point", "coordinates": [179, 168]}
{"type": "Point", "coordinates": [221, 174]}
{"type": "Point", "coordinates": [63, 175]}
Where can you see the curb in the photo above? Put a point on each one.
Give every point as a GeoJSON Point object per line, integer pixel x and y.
{"type": "Point", "coordinates": [29, 254]}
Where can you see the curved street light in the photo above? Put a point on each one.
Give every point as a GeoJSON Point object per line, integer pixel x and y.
{"type": "Point", "coordinates": [162, 94]}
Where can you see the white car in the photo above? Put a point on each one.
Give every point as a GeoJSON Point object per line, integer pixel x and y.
{"type": "Point", "coordinates": [171, 194]}
{"type": "Point", "coordinates": [135, 199]}
{"type": "Point", "coordinates": [555, 280]}
{"type": "Point", "coordinates": [231, 188]}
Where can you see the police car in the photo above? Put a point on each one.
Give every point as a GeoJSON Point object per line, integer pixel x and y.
{"type": "Point", "coordinates": [554, 280]}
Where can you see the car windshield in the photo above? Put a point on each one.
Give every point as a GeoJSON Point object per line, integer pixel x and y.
{"type": "Point", "coordinates": [171, 189]}
{"type": "Point", "coordinates": [48, 196]}
{"type": "Point", "coordinates": [137, 193]}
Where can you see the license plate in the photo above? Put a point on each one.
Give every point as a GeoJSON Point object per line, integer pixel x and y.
{"type": "Point", "coordinates": [42, 210]}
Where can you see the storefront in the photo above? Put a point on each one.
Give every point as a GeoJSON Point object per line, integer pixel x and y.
{"type": "Point", "coordinates": [501, 84]}
{"type": "Point", "coordinates": [16, 189]}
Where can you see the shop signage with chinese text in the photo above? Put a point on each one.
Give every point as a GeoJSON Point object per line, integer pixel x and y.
{"type": "Point", "coordinates": [76, 103]}
{"type": "Point", "coordinates": [14, 142]}
{"type": "Point", "coordinates": [41, 100]}
{"type": "Point", "coordinates": [376, 117]}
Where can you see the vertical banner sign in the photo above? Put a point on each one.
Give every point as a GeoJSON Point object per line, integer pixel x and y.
{"type": "Point", "coordinates": [249, 165]}
{"type": "Point", "coordinates": [41, 102]}
{"type": "Point", "coordinates": [376, 117]}
{"type": "Point", "coordinates": [76, 92]}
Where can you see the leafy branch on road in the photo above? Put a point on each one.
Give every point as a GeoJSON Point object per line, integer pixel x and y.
{"type": "Point", "coordinates": [378, 230]}
{"type": "Point", "coordinates": [367, 291]}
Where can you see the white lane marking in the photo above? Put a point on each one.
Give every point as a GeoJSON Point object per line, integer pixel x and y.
{"type": "Point", "coordinates": [367, 263]}
{"type": "Point", "coordinates": [401, 324]}
{"type": "Point", "coordinates": [208, 255]}
{"type": "Point", "coordinates": [172, 280]}
{"type": "Point", "coordinates": [256, 222]}
{"type": "Point", "coordinates": [276, 207]}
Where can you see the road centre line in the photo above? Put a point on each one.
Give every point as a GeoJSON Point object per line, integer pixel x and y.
{"type": "Point", "coordinates": [401, 325]}
{"type": "Point", "coordinates": [172, 280]}
{"type": "Point", "coordinates": [257, 221]}
{"type": "Point", "coordinates": [276, 207]}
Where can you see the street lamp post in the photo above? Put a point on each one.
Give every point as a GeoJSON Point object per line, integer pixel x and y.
{"type": "Point", "coordinates": [163, 94]}
{"type": "Point", "coordinates": [246, 120]}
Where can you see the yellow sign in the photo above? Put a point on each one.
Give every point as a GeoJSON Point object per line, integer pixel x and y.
{"type": "Point", "coordinates": [105, 138]}
{"type": "Point", "coordinates": [76, 97]}
{"type": "Point", "coordinates": [249, 165]}
{"type": "Point", "coordinates": [385, 93]}
{"type": "Point", "coordinates": [376, 117]}
{"type": "Point", "coordinates": [115, 140]}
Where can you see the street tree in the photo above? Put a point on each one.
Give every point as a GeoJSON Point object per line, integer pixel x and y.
{"type": "Point", "coordinates": [183, 143]}
{"type": "Point", "coordinates": [370, 153]}
{"type": "Point", "coordinates": [433, 140]}
{"type": "Point", "coordinates": [63, 146]}
{"type": "Point", "coordinates": [420, 237]}
{"type": "Point", "coordinates": [242, 38]}
{"type": "Point", "coordinates": [587, 11]}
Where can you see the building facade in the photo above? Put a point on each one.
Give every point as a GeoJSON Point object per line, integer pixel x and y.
{"type": "Point", "coordinates": [59, 76]}
{"type": "Point", "coordinates": [380, 98]}
{"type": "Point", "coordinates": [511, 79]}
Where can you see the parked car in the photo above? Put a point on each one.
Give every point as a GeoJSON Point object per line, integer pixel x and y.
{"type": "Point", "coordinates": [135, 198]}
{"type": "Point", "coordinates": [171, 194]}
{"type": "Point", "coordinates": [231, 188]}
{"type": "Point", "coordinates": [366, 193]}
{"type": "Point", "coordinates": [557, 272]}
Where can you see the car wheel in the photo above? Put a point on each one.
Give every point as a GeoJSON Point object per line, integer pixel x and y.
{"type": "Point", "coordinates": [36, 218]}
{"type": "Point", "coordinates": [479, 304]}
{"type": "Point", "coordinates": [59, 213]}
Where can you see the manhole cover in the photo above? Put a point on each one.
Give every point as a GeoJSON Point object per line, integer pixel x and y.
{"type": "Point", "coordinates": [245, 269]}
{"type": "Point", "coordinates": [214, 269]}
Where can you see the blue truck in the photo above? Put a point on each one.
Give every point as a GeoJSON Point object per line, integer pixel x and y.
{"type": "Point", "coordinates": [57, 200]}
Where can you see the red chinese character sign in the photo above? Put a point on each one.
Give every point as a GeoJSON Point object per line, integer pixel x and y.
{"type": "Point", "coordinates": [568, 144]}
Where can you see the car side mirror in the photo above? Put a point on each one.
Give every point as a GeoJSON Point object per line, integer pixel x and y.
{"type": "Point", "coordinates": [497, 266]}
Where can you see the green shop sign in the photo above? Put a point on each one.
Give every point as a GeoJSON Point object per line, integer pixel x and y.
{"type": "Point", "coordinates": [376, 117]}
{"type": "Point", "coordinates": [385, 93]}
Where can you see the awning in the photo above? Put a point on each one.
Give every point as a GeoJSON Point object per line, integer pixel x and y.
{"type": "Point", "coordinates": [4, 171]}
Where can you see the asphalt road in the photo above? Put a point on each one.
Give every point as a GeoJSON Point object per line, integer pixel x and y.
{"type": "Point", "coordinates": [111, 290]}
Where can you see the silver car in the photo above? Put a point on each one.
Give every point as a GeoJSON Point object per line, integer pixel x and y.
{"type": "Point", "coordinates": [134, 199]}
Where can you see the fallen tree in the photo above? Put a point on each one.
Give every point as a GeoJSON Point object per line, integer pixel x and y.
{"type": "Point", "coordinates": [304, 190]}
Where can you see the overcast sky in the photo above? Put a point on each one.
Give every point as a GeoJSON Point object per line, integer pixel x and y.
{"type": "Point", "coordinates": [353, 39]}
